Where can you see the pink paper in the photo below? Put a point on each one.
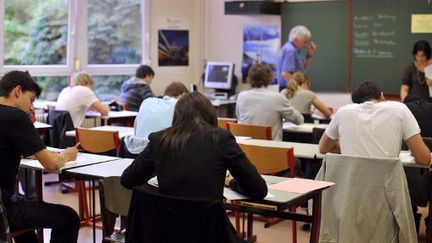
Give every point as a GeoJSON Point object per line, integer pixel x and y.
{"type": "Point", "coordinates": [299, 185]}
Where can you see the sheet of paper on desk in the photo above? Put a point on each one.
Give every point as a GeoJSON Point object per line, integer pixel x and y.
{"type": "Point", "coordinates": [299, 185]}
{"type": "Point", "coordinates": [239, 138]}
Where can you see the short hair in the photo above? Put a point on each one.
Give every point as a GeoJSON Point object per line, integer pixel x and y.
{"type": "Point", "coordinates": [82, 78]}
{"type": "Point", "coordinates": [14, 78]}
{"type": "Point", "coordinates": [299, 32]}
{"type": "Point", "coordinates": [175, 89]}
{"type": "Point", "coordinates": [144, 71]}
{"type": "Point", "coordinates": [366, 91]}
{"type": "Point", "coordinates": [422, 45]}
{"type": "Point", "coordinates": [259, 75]}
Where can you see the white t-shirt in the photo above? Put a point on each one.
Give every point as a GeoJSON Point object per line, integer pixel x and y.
{"type": "Point", "coordinates": [372, 129]}
{"type": "Point", "coordinates": [77, 100]}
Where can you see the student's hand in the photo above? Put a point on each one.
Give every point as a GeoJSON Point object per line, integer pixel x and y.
{"type": "Point", "coordinates": [71, 153]}
{"type": "Point", "coordinates": [311, 49]}
{"type": "Point", "coordinates": [228, 180]}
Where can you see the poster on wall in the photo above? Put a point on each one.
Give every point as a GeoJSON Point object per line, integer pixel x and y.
{"type": "Point", "coordinates": [173, 47]}
{"type": "Point", "coordinates": [260, 45]}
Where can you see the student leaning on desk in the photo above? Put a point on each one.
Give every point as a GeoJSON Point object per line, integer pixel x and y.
{"type": "Point", "coordinates": [191, 157]}
{"type": "Point", "coordinates": [18, 137]}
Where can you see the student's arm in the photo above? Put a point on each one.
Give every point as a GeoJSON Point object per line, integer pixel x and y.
{"type": "Point", "coordinates": [101, 108]}
{"type": "Point", "coordinates": [54, 161]}
{"type": "Point", "coordinates": [404, 91]}
{"type": "Point", "coordinates": [322, 107]}
{"type": "Point", "coordinates": [327, 144]}
{"type": "Point", "coordinates": [419, 149]}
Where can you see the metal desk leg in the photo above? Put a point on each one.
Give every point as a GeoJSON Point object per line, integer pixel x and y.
{"type": "Point", "coordinates": [39, 198]}
{"type": "Point", "coordinates": [93, 209]}
{"type": "Point", "coordinates": [316, 218]}
{"type": "Point", "coordinates": [250, 237]}
{"type": "Point", "coordinates": [429, 225]}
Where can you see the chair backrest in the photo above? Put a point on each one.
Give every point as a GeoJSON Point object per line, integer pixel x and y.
{"type": "Point", "coordinates": [370, 199]}
{"type": "Point", "coordinates": [270, 160]}
{"type": "Point", "coordinates": [61, 122]}
{"type": "Point", "coordinates": [98, 142]}
{"type": "Point", "coordinates": [157, 218]}
{"type": "Point", "coordinates": [253, 131]}
{"type": "Point", "coordinates": [223, 122]}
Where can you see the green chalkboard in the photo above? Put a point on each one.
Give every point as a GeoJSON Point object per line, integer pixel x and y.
{"type": "Point", "coordinates": [379, 32]}
{"type": "Point", "coordinates": [328, 23]}
{"type": "Point", "coordinates": [382, 40]}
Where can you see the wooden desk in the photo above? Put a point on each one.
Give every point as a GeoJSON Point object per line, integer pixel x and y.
{"type": "Point", "coordinates": [281, 201]}
{"type": "Point", "coordinates": [41, 127]}
{"type": "Point", "coordinates": [82, 160]}
{"type": "Point", "coordinates": [123, 131]}
{"type": "Point", "coordinates": [124, 117]}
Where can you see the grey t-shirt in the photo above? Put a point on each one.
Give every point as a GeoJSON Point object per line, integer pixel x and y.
{"type": "Point", "coordinates": [302, 100]}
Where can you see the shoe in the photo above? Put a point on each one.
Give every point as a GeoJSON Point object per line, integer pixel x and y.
{"type": "Point", "coordinates": [306, 227]}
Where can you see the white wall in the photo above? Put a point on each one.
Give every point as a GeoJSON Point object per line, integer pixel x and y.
{"type": "Point", "coordinates": [223, 39]}
{"type": "Point", "coordinates": [213, 36]}
{"type": "Point", "coordinates": [188, 12]}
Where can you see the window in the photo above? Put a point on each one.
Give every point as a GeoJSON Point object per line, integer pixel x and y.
{"type": "Point", "coordinates": [35, 32]}
{"type": "Point", "coordinates": [53, 38]}
{"type": "Point", "coordinates": [114, 32]}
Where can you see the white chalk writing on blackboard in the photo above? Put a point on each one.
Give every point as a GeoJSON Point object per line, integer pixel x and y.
{"type": "Point", "coordinates": [374, 35]}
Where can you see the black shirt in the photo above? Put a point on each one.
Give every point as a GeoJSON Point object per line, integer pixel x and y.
{"type": "Point", "coordinates": [17, 137]}
{"type": "Point", "coordinates": [202, 173]}
{"type": "Point", "coordinates": [422, 111]}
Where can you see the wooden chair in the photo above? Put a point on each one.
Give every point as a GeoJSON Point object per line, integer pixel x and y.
{"type": "Point", "coordinates": [272, 161]}
{"type": "Point", "coordinates": [223, 122]}
{"type": "Point", "coordinates": [253, 131]}
{"type": "Point", "coordinates": [96, 142]}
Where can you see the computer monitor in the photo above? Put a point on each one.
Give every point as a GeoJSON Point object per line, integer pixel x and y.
{"type": "Point", "coordinates": [219, 76]}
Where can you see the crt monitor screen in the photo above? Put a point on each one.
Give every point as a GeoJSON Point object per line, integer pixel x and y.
{"type": "Point", "coordinates": [218, 75]}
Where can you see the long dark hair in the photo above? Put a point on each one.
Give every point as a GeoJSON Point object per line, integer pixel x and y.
{"type": "Point", "coordinates": [192, 111]}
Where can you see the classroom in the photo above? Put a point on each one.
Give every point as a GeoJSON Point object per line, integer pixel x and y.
{"type": "Point", "coordinates": [215, 121]}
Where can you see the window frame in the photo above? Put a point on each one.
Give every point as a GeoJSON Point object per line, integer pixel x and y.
{"type": "Point", "coordinates": [77, 55]}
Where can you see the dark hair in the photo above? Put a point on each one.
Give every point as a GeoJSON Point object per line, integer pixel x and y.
{"type": "Point", "coordinates": [175, 89]}
{"type": "Point", "coordinates": [422, 45]}
{"type": "Point", "coordinates": [144, 71]}
{"type": "Point", "coordinates": [368, 90]}
{"type": "Point", "coordinates": [192, 111]}
{"type": "Point", "coordinates": [259, 75]}
{"type": "Point", "coordinates": [14, 78]}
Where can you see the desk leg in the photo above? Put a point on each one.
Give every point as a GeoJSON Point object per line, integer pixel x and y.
{"type": "Point", "coordinates": [39, 198]}
{"type": "Point", "coordinates": [316, 218]}
{"type": "Point", "coordinates": [93, 209]}
{"type": "Point", "coordinates": [250, 237]}
{"type": "Point", "coordinates": [429, 226]}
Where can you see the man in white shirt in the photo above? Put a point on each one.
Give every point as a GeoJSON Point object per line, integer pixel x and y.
{"type": "Point", "coordinates": [373, 127]}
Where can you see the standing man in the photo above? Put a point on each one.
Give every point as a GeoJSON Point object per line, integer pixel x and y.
{"type": "Point", "coordinates": [136, 89]}
{"type": "Point", "coordinates": [290, 59]}
{"type": "Point", "coordinates": [18, 138]}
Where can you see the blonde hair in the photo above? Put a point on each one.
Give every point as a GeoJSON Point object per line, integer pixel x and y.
{"type": "Point", "coordinates": [297, 79]}
{"type": "Point", "coordinates": [82, 78]}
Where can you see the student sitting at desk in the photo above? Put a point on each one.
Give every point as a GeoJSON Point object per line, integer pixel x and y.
{"type": "Point", "coordinates": [79, 98]}
{"type": "Point", "coordinates": [301, 97]}
{"type": "Point", "coordinates": [155, 114]}
{"type": "Point", "coordinates": [260, 106]}
{"type": "Point", "coordinates": [18, 137]}
{"type": "Point", "coordinates": [191, 158]}
{"type": "Point", "coordinates": [372, 127]}
{"type": "Point", "coordinates": [136, 89]}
